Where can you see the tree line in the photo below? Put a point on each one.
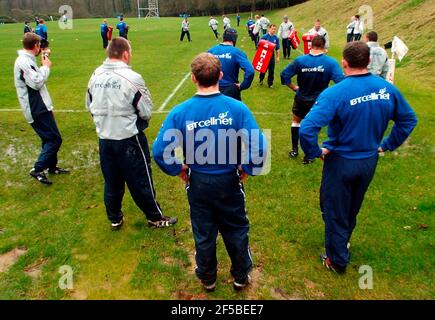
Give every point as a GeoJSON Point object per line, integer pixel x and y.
{"type": "Point", "coordinates": [19, 10]}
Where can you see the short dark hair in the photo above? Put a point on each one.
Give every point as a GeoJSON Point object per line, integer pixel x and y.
{"type": "Point", "coordinates": [357, 16]}
{"type": "Point", "coordinates": [372, 36]}
{"type": "Point", "coordinates": [272, 25]}
{"type": "Point", "coordinates": [30, 40]}
{"type": "Point", "coordinates": [318, 42]}
{"type": "Point", "coordinates": [117, 47]}
{"type": "Point", "coordinates": [206, 68]}
{"type": "Point", "coordinates": [357, 54]}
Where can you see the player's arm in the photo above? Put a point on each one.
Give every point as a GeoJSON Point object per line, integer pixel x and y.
{"type": "Point", "coordinates": [255, 145]}
{"type": "Point", "coordinates": [248, 69]}
{"type": "Point", "coordinates": [288, 73]}
{"type": "Point", "coordinates": [405, 121]}
{"type": "Point", "coordinates": [168, 139]}
{"type": "Point", "coordinates": [385, 69]}
{"type": "Point", "coordinates": [326, 41]}
{"type": "Point", "coordinates": [280, 31]}
{"type": "Point", "coordinates": [337, 73]}
{"type": "Point", "coordinates": [35, 77]}
{"type": "Point", "coordinates": [142, 99]}
{"type": "Point", "coordinates": [320, 115]}
{"type": "Point", "coordinates": [89, 98]}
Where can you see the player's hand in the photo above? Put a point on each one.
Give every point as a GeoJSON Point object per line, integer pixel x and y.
{"type": "Point", "coordinates": [295, 89]}
{"type": "Point", "coordinates": [45, 61]}
{"type": "Point", "coordinates": [242, 174]}
{"type": "Point", "coordinates": [325, 152]}
{"type": "Point", "coordinates": [237, 85]}
{"type": "Point", "coordinates": [381, 151]}
{"type": "Point", "coordinates": [183, 174]}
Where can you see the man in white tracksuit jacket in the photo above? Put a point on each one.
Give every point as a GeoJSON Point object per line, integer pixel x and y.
{"type": "Point", "coordinates": [378, 56]}
{"type": "Point", "coordinates": [37, 106]}
{"type": "Point", "coordinates": [213, 24]}
{"type": "Point", "coordinates": [120, 105]}
{"type": "Point", "coordinates": [284, 31]}
{"type": "Point", "coordinates": [318, 29]}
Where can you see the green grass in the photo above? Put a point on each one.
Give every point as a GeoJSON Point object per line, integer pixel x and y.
{"type": "Point", "coordinates": [65, 224]}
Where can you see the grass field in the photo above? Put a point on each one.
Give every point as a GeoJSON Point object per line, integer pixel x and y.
{"type": "Point", "coordinates": [65, 224]}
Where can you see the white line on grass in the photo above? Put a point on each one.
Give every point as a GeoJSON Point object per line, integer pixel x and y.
{"type": "Point", "coordinates": [165, 103]}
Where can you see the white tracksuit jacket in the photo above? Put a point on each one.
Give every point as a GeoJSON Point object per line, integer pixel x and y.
{"type": "Point", "coordinates": [378, 60]}
{"type": "Point", "coordinates": [30, 84]}
{"type": "Point", "coordinates": [118, 100]}
{"type": "Point", "coordinates": [322, 32]}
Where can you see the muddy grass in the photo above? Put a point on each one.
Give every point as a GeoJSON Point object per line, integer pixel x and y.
{"type": "Point", "coordinates": [8, 259]}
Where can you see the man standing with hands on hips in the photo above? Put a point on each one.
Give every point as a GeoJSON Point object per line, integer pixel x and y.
{"type": "Point", "coordinates": [232, 60]}
{"type": "Point", "coordinates": [37, 106]}
{"type": "Point", "coordinates": [222, 144]}
{"type": "Point", "coordinates": [120, 105]}
{"type": "Point", "coordinates": [314, 72]}
{"type": "Point", "coordinates": [357, 112]}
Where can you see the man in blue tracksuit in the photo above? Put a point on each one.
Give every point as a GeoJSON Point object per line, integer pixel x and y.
{"type": "Point", "coordinates": [314, 73]}
{"type": "Point", "coordinates": [232, 60]}
{"type": "Point", "coordinates": [211, 129]}
{"type": "Point", "coordinates": [104, 28]}
{"type": "Point", "coordinates": [123, 28]}
{"type": "Point", "coordinates": [357, 112]}
{"type": "Point", "coordinates": [41, 30]}
{"type": "Point", "coordinates": [271, 37]}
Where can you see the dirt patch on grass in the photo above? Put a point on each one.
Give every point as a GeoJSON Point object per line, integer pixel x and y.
{"type": "Point", "coordinates": [192, 266]}
{"type": "Point", "coordinates": [313, 289]}
{"type": "Point", "coordinates": [8, 259]}
{"type": "Point", "coordinates": [280, 294]}
{"type": "Point", "coordinates": [34, 271]}
{"type": "Point", "coordinates": [79, 295]}
{"type": "Point", "coordinates": [182, 295]}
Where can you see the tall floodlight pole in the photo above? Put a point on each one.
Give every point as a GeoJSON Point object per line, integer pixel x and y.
{"type": "Point", "coordinates": [151, 8]}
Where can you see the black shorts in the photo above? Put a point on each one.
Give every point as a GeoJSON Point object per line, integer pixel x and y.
{"type": "Point", "coordinates": [302, 107]}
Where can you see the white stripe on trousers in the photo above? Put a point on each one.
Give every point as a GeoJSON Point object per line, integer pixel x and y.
{"type": "Point", "coordinates": [149, 176]}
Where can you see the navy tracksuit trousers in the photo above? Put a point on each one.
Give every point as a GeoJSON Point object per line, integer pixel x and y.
{"type": "Point", "coordinates": [46, 128]}
{"type": "Point", "coordinates": [344, 184]}
{"type": "Point", "coordinates": [271, 72]}
{"type": "Point", "coordinates": [105, 40]}
{"type": "Point", "coordinates": [128, 161]}
{"type": "Point", "coordinates": [217, 204]}
{"type": "Point", "coordinates": [231, 91]}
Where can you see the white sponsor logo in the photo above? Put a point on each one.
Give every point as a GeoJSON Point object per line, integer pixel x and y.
{"type": "Point", "coordinates": [382, 95]}
{"type": "Point", "coordinates": [224, 56]}
{"type": "Point", "coordinates": [213, 121]}
{"type": "Point", "coordinates": [315, 69]}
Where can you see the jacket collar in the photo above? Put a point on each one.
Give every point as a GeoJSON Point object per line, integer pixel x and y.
{"type": "Point", "coordinates": [372, 44]}
{"type": "Point", "coordinates": [108, 64]}
{"type": "Point", "coordinates": [26, 54]}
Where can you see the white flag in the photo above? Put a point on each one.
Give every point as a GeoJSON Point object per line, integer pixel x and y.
{"type": "Point", "coordinates": [399, 48]}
